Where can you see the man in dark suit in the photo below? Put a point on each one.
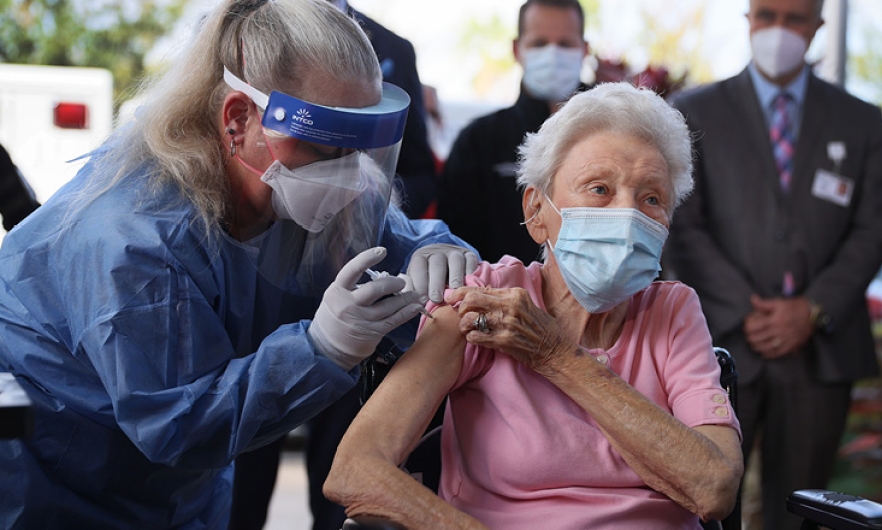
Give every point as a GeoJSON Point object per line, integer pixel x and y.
{"type": "Point", "coordinates": [780, 239]}
{"type": "Point", "coordinates": [478, 196]}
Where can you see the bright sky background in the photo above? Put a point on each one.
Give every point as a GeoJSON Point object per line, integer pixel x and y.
{"type": "Point", "coordinates": [435, 33]}
{"type": "Point", "coordinates": [436, 27]}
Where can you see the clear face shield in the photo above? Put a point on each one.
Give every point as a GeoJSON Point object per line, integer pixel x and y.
{"type": "Point", "coordinates": [333, 207]}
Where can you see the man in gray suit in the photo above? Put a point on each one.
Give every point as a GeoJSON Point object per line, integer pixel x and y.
{"type": "Point", "coordinates": [780, 239]}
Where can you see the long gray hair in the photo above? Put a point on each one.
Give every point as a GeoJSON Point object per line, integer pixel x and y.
{"type": "Point", "coordinates": [272, 45]}
{"type": "Point", "coordinates": [609, 107]}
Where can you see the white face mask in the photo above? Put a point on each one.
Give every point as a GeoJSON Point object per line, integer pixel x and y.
{"type": "Point", "coordinates": [313, 194]}
{"type": "Point", "coordinates": [551, 73]}
{"type": "Point", "coordinates": [778, 51]}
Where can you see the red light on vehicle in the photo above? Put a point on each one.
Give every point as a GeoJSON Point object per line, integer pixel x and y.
{"type": "Point", "coordinates": [71, 115]}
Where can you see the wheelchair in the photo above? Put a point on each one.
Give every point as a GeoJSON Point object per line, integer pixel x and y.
{"type": "Point", "coordinates": [818, 508]}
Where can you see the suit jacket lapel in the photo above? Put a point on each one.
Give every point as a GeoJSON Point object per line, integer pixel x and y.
{"type": "Point", "coordinates": [814, 115]}
{"type": "Point", "coordinates": [748, 110]}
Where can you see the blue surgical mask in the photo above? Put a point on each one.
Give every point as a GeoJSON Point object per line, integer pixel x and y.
{"type": "Point", "coordinates": [607, 255]}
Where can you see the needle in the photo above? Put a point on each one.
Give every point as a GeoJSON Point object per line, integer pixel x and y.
{"type": "Point", "coordinates": [375, 275]}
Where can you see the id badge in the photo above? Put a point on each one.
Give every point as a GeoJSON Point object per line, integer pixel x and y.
{"type": "Point", "coordinates": [833, 188]}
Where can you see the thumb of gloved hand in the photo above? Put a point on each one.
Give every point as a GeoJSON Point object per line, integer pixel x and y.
{"type": "Point", "coordinates": [435, 266]}
{"type": "Point", "coordinates": [352, 319]}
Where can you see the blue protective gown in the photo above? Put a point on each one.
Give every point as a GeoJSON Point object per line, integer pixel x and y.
{"type": "Point", "coordinates": [152, 360]}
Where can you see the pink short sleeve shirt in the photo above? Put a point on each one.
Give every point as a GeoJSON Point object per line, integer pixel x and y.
{"type": "Point", "coordinates": [518, 453]}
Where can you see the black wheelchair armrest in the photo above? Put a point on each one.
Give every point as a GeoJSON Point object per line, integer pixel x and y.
{"type": "Point", "coordinates": [371, 523]}
{"type": "Point", "coordinates": [838, 511]}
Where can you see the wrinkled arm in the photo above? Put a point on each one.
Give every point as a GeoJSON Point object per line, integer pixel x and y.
{"type": "Point", "coordinates": [699, 468]}
{"type": "Point", "coordinates": [365, 477]}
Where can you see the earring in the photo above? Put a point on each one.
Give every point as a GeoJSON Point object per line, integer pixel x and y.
{"type": "Point", "coordinates": [231, 132]}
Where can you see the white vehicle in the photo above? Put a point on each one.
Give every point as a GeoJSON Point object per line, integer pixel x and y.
{"type": "Point", "coordinates": [50, 115]}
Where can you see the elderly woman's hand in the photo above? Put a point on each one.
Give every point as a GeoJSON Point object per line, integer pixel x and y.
{"type": "Point", "coordinates": [509, 321]}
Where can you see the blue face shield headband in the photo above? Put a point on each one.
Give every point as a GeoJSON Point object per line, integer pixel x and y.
{"type": "Point", "coordinates": [377, 126]}
{"type": "Point", "coordinates": [328, 211]}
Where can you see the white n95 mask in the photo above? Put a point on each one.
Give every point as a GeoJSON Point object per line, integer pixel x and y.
{"type": "Point", "coordinates": [551, 73]}
{"type": "Point", "coordinates": [607, 255]}
{"type": "Point", "coordinates": [313, 194]}
{"type": "Point", "coordinates": [777, 51]}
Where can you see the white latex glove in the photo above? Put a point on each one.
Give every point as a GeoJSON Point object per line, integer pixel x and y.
{"type": "Point", "coordinates": [352, 319]}
{"type": "Point", "coordinates": [433, 267]}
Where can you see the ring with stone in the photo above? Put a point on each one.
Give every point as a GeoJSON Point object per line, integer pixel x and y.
{"type": "Point", "coordinates": [481, 323]}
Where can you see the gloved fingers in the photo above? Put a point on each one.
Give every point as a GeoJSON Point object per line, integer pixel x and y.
{"type": "Point", "coordinates": [418, 272]}
{"type": "Point", "coordinates": [456, 263]}
{"type": "Point", "coordinates": [384, 309]}
{"type": "Point", "coordinates": [403, 315]}
{"type": "Point", "coordinates": [367, 293]}
{"type": "Point", "coordinates": [434, 266]}
{"type": "Point", "coordinates": [438, 267]}
{"type": "Point", "coordinates": [472, 261]}
{"type": "Point", "coordinates": [352, 271]}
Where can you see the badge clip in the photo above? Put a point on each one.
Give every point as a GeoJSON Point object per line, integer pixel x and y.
{"type": "Point", "coordinates": [836, 153]}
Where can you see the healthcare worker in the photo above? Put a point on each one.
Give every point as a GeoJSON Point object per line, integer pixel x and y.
{"type": "Point", "coordinates": [199, 289]}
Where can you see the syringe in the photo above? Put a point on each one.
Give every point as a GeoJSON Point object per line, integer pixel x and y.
{"type": "Point", "coordinates": [375, 275]}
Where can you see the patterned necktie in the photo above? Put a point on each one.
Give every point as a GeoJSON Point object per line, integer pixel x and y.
{"type": "Point", "coordinates": [782, 140]}
{"type": "Point", "coordinates": [782, 146]}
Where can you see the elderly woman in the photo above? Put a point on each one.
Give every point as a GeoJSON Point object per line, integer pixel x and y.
{"type": "Point", "coordinates": [581, 394]}
{"type": "Point", "coordinates": [191, 295]}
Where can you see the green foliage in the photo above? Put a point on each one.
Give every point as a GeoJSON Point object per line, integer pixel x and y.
{"type": "Point", "coordinates": [865, 65]}
{"type": "Point", "coordinates": [677, 43]}
{"type": "Point", "coordinates": [491, 40]}
{"type": "Point", "coordinates": [591, 8]}
{"type": "Point", "coordinates": [112, 34]}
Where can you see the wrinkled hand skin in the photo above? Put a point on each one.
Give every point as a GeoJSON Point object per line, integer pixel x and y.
{"type": "Point", "coordinates": [517, 326]}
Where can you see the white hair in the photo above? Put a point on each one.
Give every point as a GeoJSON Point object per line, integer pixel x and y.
{"type": "Point", "coordinates": [609, 107]}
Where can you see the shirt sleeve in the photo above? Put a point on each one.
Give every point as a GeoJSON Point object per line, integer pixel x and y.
{"type": "Point", "coordinates": [691, 373]}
